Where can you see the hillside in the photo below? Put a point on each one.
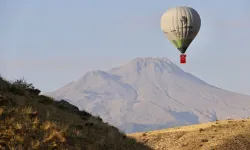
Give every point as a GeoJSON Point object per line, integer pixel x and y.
{"type": "Point", "coordinates": [152, 93]}
{"type": "Point", "coordinates": [32, 121]}
{"type": "Point", "coordinates": [219, 135]}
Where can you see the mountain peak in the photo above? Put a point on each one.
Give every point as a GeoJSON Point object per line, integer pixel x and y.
{"type": "Point", "coordinates": [98, 75]}
{"type": "Point", "coordinates": [152, 59]}
{"type": "Point", "coordinates": [149, 64]}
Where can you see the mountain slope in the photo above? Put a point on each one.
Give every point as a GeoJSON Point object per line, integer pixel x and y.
{"type": "Point", "coordinates": [152, 93]}
{"type": "Point", "coordinates": [219, 135]}
{"type": "Point", "coordinates": [32, 121]}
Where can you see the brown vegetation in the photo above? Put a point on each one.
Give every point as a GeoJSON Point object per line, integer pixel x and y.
{"type": "Point", "coordinates": [220, 135]}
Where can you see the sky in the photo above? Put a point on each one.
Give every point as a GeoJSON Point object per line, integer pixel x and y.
{"type": "Point", "coordinates": [51, 43]}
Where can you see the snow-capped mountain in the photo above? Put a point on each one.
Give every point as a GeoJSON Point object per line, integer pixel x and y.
{"type": "Point", "coordinates": [152, 93]}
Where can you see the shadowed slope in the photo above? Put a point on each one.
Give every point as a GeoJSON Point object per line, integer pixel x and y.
{"type": "Point", "coordinates": [32, 121]}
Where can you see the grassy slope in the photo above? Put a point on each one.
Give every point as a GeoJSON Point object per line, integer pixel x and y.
{"type": "Point", "coordinates": [219, 135]}
{"type": "Point", "coordinates": [32, 121]}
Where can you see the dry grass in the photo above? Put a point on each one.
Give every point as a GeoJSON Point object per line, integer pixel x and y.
{"type": "Point", "coordinates": [223, 135]}
{"type": "Point", "coordinates": [19, 129]}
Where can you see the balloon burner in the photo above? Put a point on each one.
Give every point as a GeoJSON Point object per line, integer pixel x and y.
{"type": "Point", "coordinates": [183, 58]}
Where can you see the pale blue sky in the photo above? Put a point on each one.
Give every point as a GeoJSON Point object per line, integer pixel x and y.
{"type": "Point", "coordinates": [52, 42]}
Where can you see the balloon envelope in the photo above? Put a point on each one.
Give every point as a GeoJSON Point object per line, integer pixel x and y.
{"type": "Point", "coordinates": [181, 25]}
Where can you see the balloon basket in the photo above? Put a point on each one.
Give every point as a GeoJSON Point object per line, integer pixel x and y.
{"type": "Point", "coordinates": [183, 58]}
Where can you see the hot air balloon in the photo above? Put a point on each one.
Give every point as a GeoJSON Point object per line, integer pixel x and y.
{"type": "Point", "coordinates": [181, 25]}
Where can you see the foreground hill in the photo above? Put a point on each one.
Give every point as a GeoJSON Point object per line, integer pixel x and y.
{"type": "Point", "coordinates": [152, 93]}
{"type": "Point", "coordinates": [32, 121]}
{"type": "Point", "coordinates": [219, 135]}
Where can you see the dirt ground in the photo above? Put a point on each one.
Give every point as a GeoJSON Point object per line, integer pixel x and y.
{"type": "Point", "coordinates": [219, 135]}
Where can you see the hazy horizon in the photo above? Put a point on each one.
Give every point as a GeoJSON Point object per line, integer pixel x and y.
{"type": "Point", "coordinates": [53, 43]}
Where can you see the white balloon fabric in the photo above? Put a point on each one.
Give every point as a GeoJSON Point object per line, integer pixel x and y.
{"type": "Point", "coordinates": [181, 25]}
